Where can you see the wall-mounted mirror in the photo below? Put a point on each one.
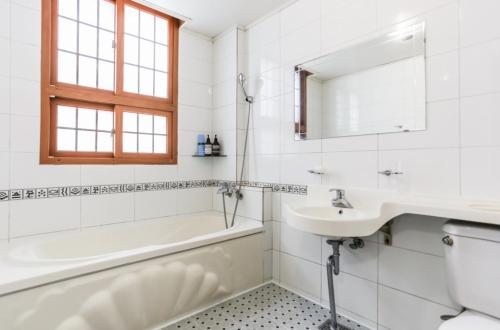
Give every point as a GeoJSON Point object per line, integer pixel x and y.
{"type": "Point", "coordinates": [377, 86]}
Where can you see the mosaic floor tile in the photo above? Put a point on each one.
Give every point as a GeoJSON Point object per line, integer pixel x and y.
{"type": "Point", "coordinates": [267, 307]}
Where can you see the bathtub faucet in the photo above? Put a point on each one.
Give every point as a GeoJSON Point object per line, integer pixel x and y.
{"type": "Point", "coordinates": [227, 189]}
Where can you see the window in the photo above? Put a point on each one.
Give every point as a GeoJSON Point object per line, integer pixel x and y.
{"type": "Point", "coordinates": [109, 83]}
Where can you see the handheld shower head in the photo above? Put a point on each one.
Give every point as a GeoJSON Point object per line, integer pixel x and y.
{"type": "Point", "coordinates": [241, 78]}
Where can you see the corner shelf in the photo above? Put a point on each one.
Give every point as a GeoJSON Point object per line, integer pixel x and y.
{"type": "Point", "coordinates": [210, 156]}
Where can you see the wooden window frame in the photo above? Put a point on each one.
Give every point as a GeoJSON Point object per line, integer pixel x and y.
{"type": "Point", "coordinates": [133, 157]}
{"type": "Point", "coordinates": [53, 126]}
{"type": "Point", "coordinates": [53, 92]}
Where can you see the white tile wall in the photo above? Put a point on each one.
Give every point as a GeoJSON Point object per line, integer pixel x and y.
{"type": "Point", "coordinates": [31, 217]}
{"type": "Point", "coordinates": [4, 133]}
{"type": "Point", "coordinates": [414, 272]}
{"type": "Point", "coordinates": [300, 244]}
{"type": "Point", "coordinates": [19, 140]}
{"type": "Point", "coordinates": [346, 20]}
{"type": "Point", "coordinates": [479, 21]}
{"type": "Point", "coordinates": [398, 310]}
{"type": "Point", "coordinates": [4, 170]}
{"type": "Point", "coordinates": [4, 223]}
{"type": "Point", "coordinates": [4, 93]}
{"type": "Point", "coordinates": [107, 209]}
{"type": "Point", "coordinates": [458, 153]}
{"type": "Point", "coordinates": [353, 294]}
{"type": "Point", "coordinates": [300, 274]}
{"type": "Point", "coordinates": [164, 201]}
{"type": "Point", "coordinates": [480, 68]}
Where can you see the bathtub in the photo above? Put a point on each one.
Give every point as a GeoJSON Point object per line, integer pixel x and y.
{"type": "Point", "coordinates": [136, 276]}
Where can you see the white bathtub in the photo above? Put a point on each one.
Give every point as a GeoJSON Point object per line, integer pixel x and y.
{"type": "Point", "coordinates": [141, 276]}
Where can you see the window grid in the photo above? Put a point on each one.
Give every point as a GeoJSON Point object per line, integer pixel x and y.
{"type": "Point", "coordinates": [77, 128]}
{"type": "Point", "coordinates": [75, 77]}
{"type": "Point", "coordinates": [98, 29]}
{"type": "Point", "coordinates": [153, 133]}
{"type": "Point", "coordinates": [138, 66]}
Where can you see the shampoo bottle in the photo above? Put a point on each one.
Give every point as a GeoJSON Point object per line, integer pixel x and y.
{"type": "Point", "coordinates": [200, 151]}
{"type": "Point", "coordinates": [216, 147]}
{"type": "Point", "coordinates": [208, 146]}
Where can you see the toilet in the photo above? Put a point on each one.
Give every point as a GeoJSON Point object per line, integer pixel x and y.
{"type": "Point", "coordinates": [472, 257]}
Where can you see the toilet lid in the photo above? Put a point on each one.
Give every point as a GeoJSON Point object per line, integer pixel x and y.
{"type": "Point", "coordinates": [471, 320]}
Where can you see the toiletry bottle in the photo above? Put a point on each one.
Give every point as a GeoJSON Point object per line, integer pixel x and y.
{"type": "Point", "coordinates": [201, 145]}
{"type": "Point", "coordinates": [216, 147]}
{"type": "Point", "coordinates": [208, 147]}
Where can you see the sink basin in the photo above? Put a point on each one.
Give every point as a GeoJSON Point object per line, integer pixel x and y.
{"type": "Point", "coordinates": [486, 207]}
{"type": "Point", "coordinates": [331, 221]}
{"type": "Point", "coordinates": [374, 208]}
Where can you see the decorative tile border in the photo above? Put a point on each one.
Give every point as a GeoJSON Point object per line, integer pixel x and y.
{"type": "Point", "coordinates": [69, 191]}
{"type": "Point", "coordinates": [276, 187]}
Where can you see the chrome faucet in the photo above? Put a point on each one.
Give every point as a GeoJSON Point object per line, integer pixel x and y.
{"type": "Point", "coordinates": [226, 189]}
{"type": "Point", "coordinates": [340, 200]}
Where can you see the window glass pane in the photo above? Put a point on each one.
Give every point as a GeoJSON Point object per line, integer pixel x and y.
{"type": "Point", "coordinates": [106, 15]}
{"type": "Point", "coordinates": [146, 81]}
{"type": "Point", "coordinates": [105, 120]}
{"type": "Point", "coordinates": [161, 31]}
{"type": "Point", "coordinates": [131, 50]}
{"type": "Point", "coordinates": [147, 53]}
{"type": "Point", "coordinates": [66, 139]}
{"type": "Point", "coordinates": [87, 70]}
{"type": "Point", "coordinates": [106, 75]}
{"type": "Point", "coordinates": [160, 125]}
{"type": "Point", "coordinates": [145, 123]}
{"type": "Point", "coordinates": [66, 116]}
{"type": "Point", "coordinates": [85, 38]}
{"type": "Point", "coordinates": [145, 143]}
{"type": "Point", "coordinates": [129, 122]}
{"type": "Point", "coordinates": [68, 8]}
{"type": "Point", "coordinates": [131, 20]}
{"type": "Point", "coordinates": [160, 84]}
{"type": "Point", "coordinates": [104, 142]}
{"type": "Point", "coordinates": [86, 141]}
{"type": "Point", "coordinates": [88, 40]}
{"type": "Point", "coordinates": [86, 118]}
{"type": "Point", "coordinates": [67, 34]}
{"type": "Point", "coordinates": [129, 142]}
{"type": "Point", "coordinates": [160, 142]}
{"type": "Point", "coordinates": [106, 50]}
{"type": "Point", "coordinates": [161, 57]}
{"type": "Point", "coordinates": [66, 70]}
{"type": "Point", "coordinates": [147, 25]}
{"type": "Point", "coordinates": [130, 78]}
{"type": "Point", "coordinates": [88, 11]}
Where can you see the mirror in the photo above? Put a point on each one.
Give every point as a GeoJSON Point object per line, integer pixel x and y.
{"type": "Point", "coordinates": [377, 86]}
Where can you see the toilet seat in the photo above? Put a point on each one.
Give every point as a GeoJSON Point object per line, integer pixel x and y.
{"type": "Point", "coordinates": [471, 320]}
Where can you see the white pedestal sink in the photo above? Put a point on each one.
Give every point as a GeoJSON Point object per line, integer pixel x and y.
{"type": "Point", "coordinates": [373, 208]}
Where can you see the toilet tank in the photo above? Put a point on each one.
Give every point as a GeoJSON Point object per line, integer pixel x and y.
{"type": "Point", "coordinates": [472, 259]}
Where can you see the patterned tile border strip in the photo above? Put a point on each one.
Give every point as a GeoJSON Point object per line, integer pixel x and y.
{"type": "Point", "coordinates": [276, 187]}
{"type": "Point", "coordinates": [69, 191]}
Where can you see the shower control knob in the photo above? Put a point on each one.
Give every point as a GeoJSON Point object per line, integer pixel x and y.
{"type": "Point", "coordinates": [447, 240]}
{"type": "Point", "coordinates": [390, 172]}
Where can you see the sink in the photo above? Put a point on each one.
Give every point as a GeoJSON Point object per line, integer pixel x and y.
{"type": "Point", "coordinates": [331, 221]}
{"type": "Point", "coordinates": [374, 208]}
{"type": "Point", "coordinates": [486, 207]}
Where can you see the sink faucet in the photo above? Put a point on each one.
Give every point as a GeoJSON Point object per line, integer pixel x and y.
{"type": "Point", "coordinates": [340, 200]}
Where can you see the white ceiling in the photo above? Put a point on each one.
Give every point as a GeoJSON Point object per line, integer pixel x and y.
{"type": "Point", "coordinates": [211, 17]}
